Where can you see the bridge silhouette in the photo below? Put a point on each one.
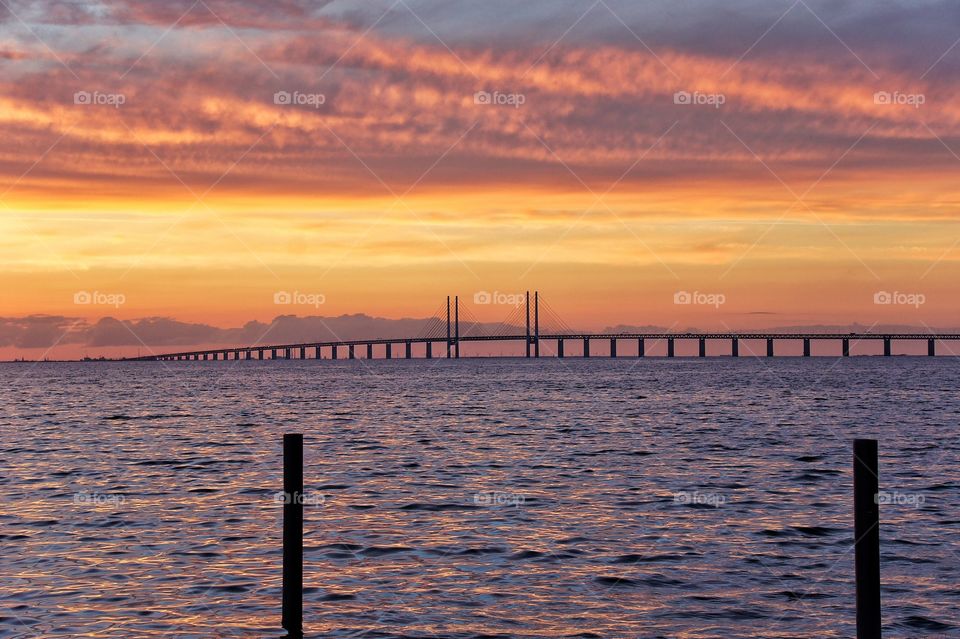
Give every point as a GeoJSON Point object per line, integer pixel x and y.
{"type": "Point", "coordinates": [444, 329]}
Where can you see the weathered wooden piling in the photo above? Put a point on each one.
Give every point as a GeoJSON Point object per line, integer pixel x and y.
{"type": "Point", "coordinates": [866, 527]}
{"type": "Point", "coordinates": [292, 607]}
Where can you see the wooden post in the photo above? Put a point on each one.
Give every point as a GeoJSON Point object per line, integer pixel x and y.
{"type": "Point", "coordinates": [292, 614]}
{"type": "Point", "coordinates": [866, 525]}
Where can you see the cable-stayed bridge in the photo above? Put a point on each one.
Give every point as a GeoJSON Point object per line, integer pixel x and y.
{"type": "Point", "coordinates": [532, 323]}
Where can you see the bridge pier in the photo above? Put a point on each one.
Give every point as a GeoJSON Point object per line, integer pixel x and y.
{"type": "Point", "coordinates": [613, 347]}
{"type": "Point", "coordinates": [559, 348]}
{"type": "Point", "coordinates": [389, 350]}
{"type": "Point", "coordinates": [703, 347]}
{"type": "Point", "coordinates": [586, 347]}
{"type": "Point", "coordinates": [303, 352]}
{"type": "Point", "coordinates": [351, 352]}
{"type": "Point", "coordinates": [846, 347]}
{"type": "Point", "coordinates": [806, 347]}
{"type": "Point", "coordinates": [333, 351]}
{"type": "Point", "coordinates": [735, 347]}
{"type": "Point", "coordinates": [769, 347]}
{"type": "Point", "coordinates": [429, 350]}
{"type": "Point", "coordinates": [670, 350]}
{"type": "Point", "coordinates": [369, 351]}
{"type": "Point", "coordinates": [931, 347]}
{"type": "Point", "coordinates": [316, 353]}
{"type": "Point", "coordinates": [640, 347]}
{"type": "Point", "coordinates": [286, 353]}
{"type": "Point", "coordinates": [409, 349]}
{"type": "Point", "coordinates": [886, 347]}
{"type": "Point", "coordinates": [260, 353]}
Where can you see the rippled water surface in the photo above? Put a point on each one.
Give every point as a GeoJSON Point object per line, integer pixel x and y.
{"type": "Point", "coordinates": [507, 498]}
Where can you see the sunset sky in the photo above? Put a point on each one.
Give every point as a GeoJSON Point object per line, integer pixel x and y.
{"type": "Point", "coordinates": [186, 161]}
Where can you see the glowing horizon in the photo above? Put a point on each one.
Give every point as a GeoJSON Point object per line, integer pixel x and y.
{"type": "Point", "coordinates": [608, 156]}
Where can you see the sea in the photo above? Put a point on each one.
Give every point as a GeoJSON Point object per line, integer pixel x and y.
{"type": "Point", "coordinates": [476, 498]}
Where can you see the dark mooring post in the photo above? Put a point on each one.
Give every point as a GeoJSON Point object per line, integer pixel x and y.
{"type": "Point", "coordinates": [866, 531]}
{"type": "Point", "coordinates": [528, 325]}
{"type": "Point", "coordinates": [292, 615]}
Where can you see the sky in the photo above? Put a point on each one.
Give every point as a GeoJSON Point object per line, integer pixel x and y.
{"type": "Point", "coordinates": [169, 170]}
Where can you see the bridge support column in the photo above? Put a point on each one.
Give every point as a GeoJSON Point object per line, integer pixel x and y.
{"type": "Point", "coordinates": [260, 354]}
{"type": "Point", "coordinates": [333, 351]}
{"type": "Point", "coordinates": [846, 347]}
{"type": "Point", "coordinates": [429, 350]}
{"type": "Point", "coordinates": [351, 352]}
{"type": "Point", "coordinates": [931, 347]}
{"type": "Point", "coordinates": [586, 347]}
{"type": "Point", "coordinates": [286, 353]}
{"type": "Point", "coordinates": [735, 347]}
{"type": "Point", "coordinates": [641, 348]}
{"type": "Point", "coordinates": [248, 355]}
{"type": "Point", "coordinates": [303, 352]}
{"type": "Point", "coordinates": [886, 347]}
{"type": "Point", "coordinates": [806, 347]}
{"type": "Point", "coordinates": [389, 350]}
{"type": "Point", "coordinates": [613, 347]}
{"type": "Point", "coordinates": [409, 349]}
{"type": "Point", "coordinates": [369, 351]}
{"type": "Point", "coordinates": [316, 353]}
{"type": "Point", "coordinates": [769, 347]}
{"type": "Point", "coordinates": [559, 348]}
{"type": "Point", "coordinates": [703, 347]}
{"type": "Point", "coordinates": [670, 350]}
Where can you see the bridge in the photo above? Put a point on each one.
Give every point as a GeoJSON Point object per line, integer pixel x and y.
{"type": "Point", "coordinates": [524, 325]}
